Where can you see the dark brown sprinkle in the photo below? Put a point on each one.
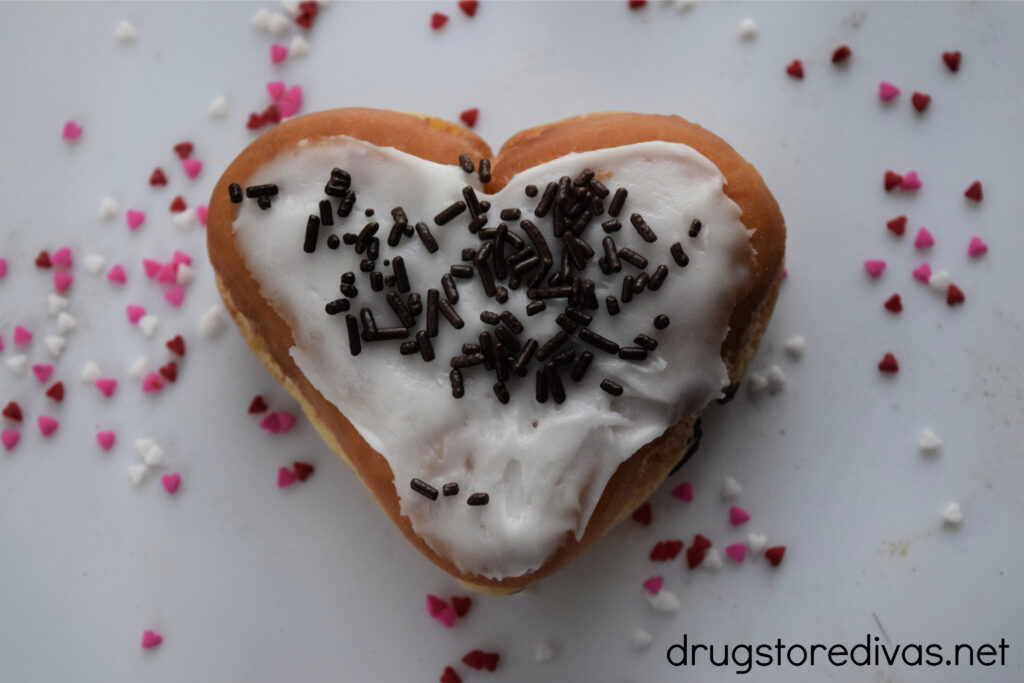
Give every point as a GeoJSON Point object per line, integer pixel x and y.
{"type": "Point", "coordinates": [351, 291]}
{"type": "Point", "coordinates": [574, 252]}
{"type": "Point", "coordinates": [490, 317]}
{"type": "Point", "coordinates": [447, 214]}
{"type": "Point", "coordinates": [535, 307]}
{"type": "Point", "coordinates": [450, 290]}
{"type": "Point", "coordinates": [433, 296]}
{"type": "Point", "coordinates": [368, 213]}
{"type": "Point", "coordinates": [598, 188]}
{"type": "Point", "coordinates": [646, 342]}
{"type": "Point", "coordinates": [424, 345]}
{"type": "Point", "coordinates": [642, 228]}
{"type": "Point", "coordinates": [565, 323]}
{"type": "Point", "coordinates": [253, 191]}
{"type": "Point", "coordinates": [576, 315]}
{"type": "Point", "coordinates": [235, 193]}
{"type": "Point", "coordinates": [597, 207]}
{"type": "Point", "coordinates": [618, 199]}
{"type": "Point", "coordinates": [466, 162]}
{"type": "Point", "coordinates": [576, 210]}
{"type": "Point", "coordinates": [455, 376]}
{"type": "Point", "coordinates": [679, 255]}
{"type": "Point", "coordinates": [526, 265]}
{"type": "Point", "coordinates": [521, 255]}
{"type": "Point", "coordinates": [579, 369]}
{"type": "Point", "coordinates": [401, 310]}
{"type": "Point", "coordinates": [583, 178]}
{"type": "Point", "coordinates": [559, 292]}
{"type": "Point", "coordinates": [396, 234]}
{"type": "Point", "coordinates": [424, 489]}
{"type": "Point", "coordinates": [408, 348]}
{"type": "Point", "coordinates": [524, 357]}
{"type": "Point", "coordinates": [479, 498]}
{"type": "Point", "coordinates": [369, 324]}
{"type": "Point", "coordinates": [263, 202]}
{"type": "Point", "coordinates": [627, 289]}
{"type": "Point", "coordinates": [564, 183]}
{"type": "Point", "coordinates": [386, 333]}
{"type": "Point", "coordinates": [515, 240]}
{"type": "Point", "coordinates": [596, 340]}
{"type": "Point", "coordinates": [498, 249]}
{"type": "Point", "coordinates": [541, 245]}
{"type": "Point", "coordinates": [564, 357]}
{"type": "Point", "coordinates": [658, 278]}
{"type": "Point", "coordinates": [348, 278]}
{"type": "Point", "coordinates": [485, 170]}
{"type": "Point", "coordinates": [401, 275]}
{"type": "Point", "coordinates": [337, 306]}
{"type": "Point", "coordinates": [510, 214]}
{"type": "Point", "coordinates": [632, 353]}
{"type": "Point", "coordinates": [333, 242]}
{"type": "Point", "coordinates": [472, 203]}
{"type": "Point", "coordinates": [501, 391]}
{"type": "Point", "coordinates": [542, 387]}
{"type": "Point", "coordinates": [612, 304]}
{"type": "Point", "coordinates": [611, 387]}
{"type": "Point", "coordinates": [389, 280]}
{"type": "Point", "coordinates": [610, 261]}
{"type": "Point", "coordinates": [477, 224]}
{"type": "Point", "coordinates": [589, 293]}
{"type": "Point", "coordinates": [612, 225]}
{"type": "Point", "coordinates": [366, 265]}
{"type": "Point", "coordinates": [487, 279]}
{"type": "Point", "coordinates": [463, 272]}
{"type": "Point", "coordinates": [551, 345]}
{"type": "Point", "coordinates": [641, 282]}
{"type": "Point", "coordinates": [451, 489]}
{"type": "Point", "coordinates": [365, 235]}
{"type": "Point", "coordinates": [341, 174]}
{"type": "Point", "coordinates": [482, 254]}
{"type": "Point", "coordinates": [555, 383]}
{"type": "Point", "coordinates": [661, 322]}
{"type": "Point", "coordinates": [346, 204]}
{"type": "Point", "coordinates": [349, 238]}
{"type": "Point", "coordinates": [312, 232]}
{"type": "Point", "coordinates": [695, 227]}
{"type": "Point", "coordinates": [469, 349]}
{"type": "Point", "coordinates": [377, 281]}
{"type": "Point", "coordinates": [501, 364]}
{"type": "Point", "coordinates": [467, 361]}
{"type": "Point", "coordinates": [450, 315]}
{"type": "Point", "coordinates": [414, 303]}
{"type": "Point", "coordinates": [354, 345]}
{"type": "Point", "coordinates": [509, 318]}
{"type": "Point", "coordinates": [487, 348]}
{"type": "Point", "coordinates": [500, 294]}
{"type": "Point", "coordinates": [547, 200]}
{"type": "Point", "coordinates": [582, 222]}
{"type": "Point", "coordinates": [531, 190]}
{"type": "Point", "coordinates": [426, 237]}
{"type": "Point", "coordinates": [373, 250]}
{"type": "Point", "coordinates": [508, 339]}
{"type": "Point", "coordinates": [633, 258]}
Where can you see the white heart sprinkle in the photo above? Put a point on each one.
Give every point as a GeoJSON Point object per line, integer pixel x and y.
{"type": "Point", "coordinates": [641, 639]}
{"type": "Point", "coordinates": [94, 263]}
{"type": "Point", "coordinates": [543, 652]}
{"type": "Point", "coordinates": [663, 601]}
{"type": "Point", "coordinates": [212, 322]}
{"type": "Point", "coordinates": [278, 24]}
{"type": "Point", "coordinates": [18, 364]}
{"type": "Point", "coordinates": [731, 489]}
{"type": "Point", "coordinates": [261, 19]}
{"type": "Point", "coordinates": [91, 371]}
{"type": "Point", "coordinates": [929, 442]}
{"type": "Point", "coordinates": [776, 379]}
{"type": "Point", "coordinates": [756, 384]}
{"type": "Point", "coordinates": [186, 220]}
{"type": "Point", "coordinates": [139, 368]}
{"type": "Point", "coordinates": [712, 559]}
{"type": "Point", "coordinates": [795, 346]}
{"type": "Point", "coordinates": [953, 514]}
{"type": "Point", "coordinates": [299, 47]}
{"type": "Point", "coordinates": [147, 324]}
{"type": "Point", "coordinates": [125, 32]}
{"type": "Point", "coordinates": [748, 29]}
{"type": "Point", "coordinates": [940, 280]}
{"type": "Point", "coordinates": [56, 303]}
{"type": "Point", "coordinates": [154, 457]}
{"type": "Point", "coordinates": [756, 542]}
{"type": "Point", "coordinates": [143, 444]}
{"type": "Point", "coordinates": [137, 472]}
{"type": "Point", "coordinates": [218, 107]}
{"type": "Point", "coordinates": [290, 6]}
{"type": "Point", "coordinates": [66, 322]}
{"type": "Point", "coordinates": [56, 345]}
{"type": "Point", "coordinates": [186, 274]}
{"type": "Point", "coordinates": [109, 208]}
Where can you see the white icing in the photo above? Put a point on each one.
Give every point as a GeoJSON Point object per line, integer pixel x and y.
{"type": "Point", "coordinates": [544, 466]}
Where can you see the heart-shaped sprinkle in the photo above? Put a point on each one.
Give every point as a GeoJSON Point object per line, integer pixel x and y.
{"type": "Point", "coordinates": [923, 273]}
{"type": "Point", "coordinates": [176, 345]}
{"type": "Point", "coordinates": [22, 335]}
{"type": "Point", "coordinates": [62, 258]}
{"type": "Point", "coordinates": [435, 605]}
{"type": "Point", "coordinates": [469, 117]}
{"type": "Point", "coordinates": [291, 101]}
{"type": "Point", "coordinates": [108, 208]}
{"type": "Point", "coordinates": [664, 551]}
{"type": "Point", "coordinates": [66, 322]}
{"type": "Point", "coordinates": [974, 191]}
{"type": "Point", "coordinates": [47, 424]}
{"type": "Point", "coordinates": [897, 226]}
{"type": "Point", "coordinates": [461, 605]}
{"type": "Point", "coordinates": [201, 214]}
{"type": "Point", "coordinates": [72, 131]}
{"type": "Point", "coordinates": [731, 489]}
{"type": "Point", "coordinates": [889, 364]}
{"type": "Point", "coordinates": [10, 438]}
{"type": "Point", "coordinates": [171, 482]}
{"type": "Point", "coordinates": [437, 20]}
{"type": "Point", "coordinates": [976, 247]}
{"type": "Point", "coordinates": [135, 218]}
{"type": "Point", "coordinates": [756, 542]}
{"type": "Point", "coordinates": [258, 405]}
{"type": "Point", "coordinates": [56, 392]}
{"type": "Point", "coordinates": [152, 382]}
{"type": "Point", "coordinates": [135, 313]}
{"type": "Point", "coordinates": [192, 167]}
{"type": "Point", "coordinates": [95, 263]}
{"type": "Point", "coordinates": [928, 442]}
{"type": "Point", "coordinates": [469, 7]}
{"type": "Point", "coordinates": [910, 181]}
{"type": "Point", "coordinates": [794, 348]}
{"type": "Point", "coordinates": [157, 177]}
{"type": "Point", "coordinates": [151, 639]}
{"type": "Point", "coordinates": [738, 515]}
{"type": "Point", "coordinates": [137, 472]}
{"type": "Point", "coordinates": [894, 303]}
{"type": "Point", "coordinates": [664, 601]}
{"type": "Point", "coordinates": [695, 556]}
{"type": "Point", "coordinates": [924, 239]}
{"type": "Point", "coordinates": [12, 411]}
{"type": "Point", "coordinates": [276, 90]}
{"type": "Point", "coordinates": [105, 440]}
{"type": "Point", "coordinates": [642, 515]}
{"type": "Point", "coordinates": [165, 272]}
{"type": "Point", "coordinates": [795, 69]}
{"type": "Point", "coordinates": [255, 121]}
{"type": "Point", "coordinates": [278, 53]}
{"type": "Point", "coordinates": [449, 676]}
{"type": "Point", "coordinates": [175, 295]}
{"type": "Point", "coordinates": [953, 515]}
{"type": "Point", "coordinates": [940, 280]}
{"type": "Point", "coordinates": [17, 364]}
{"type": "Point", "coordinates": [774, 554]}
{"type": "Point", "coordinates": [892, 180]}
{"type": "Point", "coordinates": [303, 470]}
{"type": "Point", "coordinates": [712, 560]}
{"type": "Point", "coordinates": [841, 54]}
{"type": "Point", "coordinates": [90, 371]}
{"type": "Point", "coordinates": [478, 660]}
{"type": "Point", "coordinates": [183, 150]}
{"type": "Point", "coordinates": [887, 91]}
{"type": "Point", "coordinates": [952, 60]}
{"type": "Point", "coordinates": [654, 584]}
{"type": "Point", "coordinates": [42, 371]}
{"type": "Point", "coordinates": [117, 275]}
{"type": "Point", "coordinates": [278, 422]}
{"type": "Point", "coordinates": [169, 371]}
{"type": "Point", "coordinates": [954, 295]}
{"type": "Point", "coordinates": [3, 268]}
{"type": "Point", "coordinates": [55, 344]}
{"type": "Point", "coordinates": [736, 551]}
{"type": "Point", "coordinates": [874, 267]}
{"type": "Point", "coordinates": [178, 204]}
{"type": "Point", "coordinates": [43, 260]}
{"type": "Point", "coordinates": [285, 477]}
{"type": "Point", "coordinates": [641, 639]}
{"type": "Point", "coordinates": [684, 492]}
{"type": "Point", "coordinates": [62, 281]}
{"type": "Point", "coordinates": [920, 101]}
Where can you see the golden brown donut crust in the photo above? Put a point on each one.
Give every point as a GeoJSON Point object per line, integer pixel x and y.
{"type": "Point", "coordinates": [270, 337]}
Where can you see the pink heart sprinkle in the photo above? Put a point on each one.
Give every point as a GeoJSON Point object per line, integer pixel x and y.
{"type": "Point", "coordinates": [10, 438]}
{"type": "Point", "coordinates": [977, 247]}
{"type": "Point", "coordinates": [447, 617]}
{"type": "Point", "coordinates": [42, 371]}
{"type": "Point", "coordinates": [61, 281]}
{"type": "Point", "coordinates": [654, 584]}
{"type": "Point", "coordinates": [887, 91]}
{"type": "Point", "coordinates": [684, 492]}
{"type": "Point", "coordinates": [175, 295]}
{"type": "Point", "coordinates": [62, 258]}
{"type": "Point", "coordinates": [910, 181]}
{"type": "Point", "coordinates": [181, 257]}
{"type": "Point", "coordinates": [151, 267]}
{"type": "Point", "coordinates": [152, 382]}
{"type": "Point", "coordinates": [275, 89]}
{"type": "Point", "coordinates": [21, 335]}
{"type": "Point", "coordinates": [738, 515]}
{"type": "Point", "coordinates": [874, 267]}
{"type": "Point", "coordinates": [105, 440]}
{"type": "Point", "coordinates": [435, 605]}
{"type": "Point", "coordinates": [200, 214]}
{"type": "Point", "coordinates": [736, 551]}
{"type": "Point", "coordinates": [3, 267]}
{"type": "Point", "coordinates": [135, 218]}
{"type": "Point", "coordinates": [135, 313]}
{"type": "Point", "coordinates": [285, 477]}
{"type": "Point", "coordinates": [924, 239]}
{"type": "Point", "coordinates": [71, 131]}
{"type": "Point", "coordinates": [151, 639]}
{"type": "Point", "coordinates": [923, 273]}
{"type": "Point", "coordinates": [168, 272]}
{"type": "Point", "coordinates": [278, 53]}
{"type": "Point", "coordinates": [47, 425]}
{"type": "Point", "coordinates": [106, 385]}
{"type": "Point", "coordinates": [1, 342]}
{"type": "Point", "coordinates": [116, 275]}
{"type": "Point", "coordinates": [171, 482]}
{"type": "Point", "coordinates": [192, 167]}
{"type": "Point", "coordinates": [278, 422]}
{"type": "Point", "coordinates": [291, 101]}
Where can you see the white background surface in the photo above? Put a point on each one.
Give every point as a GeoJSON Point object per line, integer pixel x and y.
{"type": "Point", "coordinates": [250, 583]}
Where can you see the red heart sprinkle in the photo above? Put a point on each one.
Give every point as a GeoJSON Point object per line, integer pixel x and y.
{"type": "Point", "coordinates": [12, 411]}
{"type": "Point", "coordinates": [157, 177]}
{"type": "Point", "coordinates": [642, 514]}
{"type": "Point", "coordinates": [256, 121]}
{"type": "Point", "coordinates": [272, 114]}
{"type": "Point", "coordinates": [43, 260]}
{"type": "Point", "coordinates": [303, 470]}
{"type": "Point", "coordinates": [170, 371]}
{"type": "Point", "coordinates": [897, 225]}
{"type": "Point", "coordinates": [889, 364]}
{"type": "Point", "coordinates": [469, 116]}
{"type": "Point", "coordinates": [666, 550]}
{"type": "Point", "coordinates": [774, 554]}
{"type": "Point", "coordinates": [954, 295]}
{"type": "Point", "coordinates": [178, 205]}
{"type": "Point", "coordinates": [469, 7]}
{"type": "Point", "coordinates": [478, 659]}
{"type": "Point", "coordinates": [461, 605]}
{"type": "Point", "coordinates": [701, 541]}
{"type": "Point", "coordinates": [309, 7]}
{"type": "Point", "coordinates": [894, 303]}
{"type": "Point", "coordinates": [892, 180]}
{"type": "Point", "coordinates": [694, 556]}
{"type": "Point", "coordinates": [258, 405]}
{"type": "Point", "coordinates": [841, 54]}
{"type": "Point", "coordinates": [920, 100]}
{"type": "Point", "coordinates": [437, 20]}
{"type": "Point", "coordinates": [795, 69]}
{"type": "Point", "coordinates": [177, 345]}
{"type": "Point", "coordinates": [183, 150]}
{"type": "Point", "coordinates": [56, 392]}
{"type": "Point", "coordinates": [305, 20]}
{"type": "Point", "coordinates": [449, 676]}
{"type": "Point", "coordinates": [952, 60]}
{"type": "Point", "coordinates": [637, 4]}
{"type": "Point", "coordinates": [974, 191]}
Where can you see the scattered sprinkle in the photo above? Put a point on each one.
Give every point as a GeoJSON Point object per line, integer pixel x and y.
{"type": "Point", "coordinates": [952, 60]}
{"type": "Point", "coordinates": [125, 32]}
{"type": "Point", "coordinates": [642, 515]}
{"type": "Point", "coordinates": [22, 335]}
{"type": "Point", "coordinates": [892, 180]}
{"type": "Point", "coordinates": [889, 364]}
{"type": "Point", "coordinates": [303, 471]}
{"type": "Point", "coordinates": [117, 275]}
{"type": "Point", "coordinates": [139, 368]}
{"type": "Point", "coordinates": [731, 489]}
{"type": "Point", "coordinates": [106, 439]}
{"type": "Point", "coordinates": [974, 191]}
{"type": "Point", "coordinates": [654, 584]}
{"type": "Point", "coordinates": [90, 371]}
{"type": "Point", "coordinates": [449, 676]}
{"type": "Point", "coordinates": [841, 54]}
{"type": "Point", "coordinates": [664, 601]}
{"type": "Point", "coordinates": [12, 411]}
{"type": "Point", "coordinates": [469, 116]}
{"type": "Point", "coordinates": [684, 492]}
{"type": "Point", "coordinates": [278, 53]}
{"type": "Point", "coordinates": [42, 371]}
{"type": "Point", "coordinates": [95, 263]}
{"type": "Point", "coordinates": [108, 208]}
{"type": "Point", "coordinates": [712, 560]}
{"type": "Point", "coordinates": [954, 295]}
{"type": "Point", "coordinates": [135, 313]}
{"type": "Point", "coordinates": [666, 550]}
{"type": "Point", "coordinates": [795, 69]}
{"type": "Point", "coordinates": [134, 218]}
{"type": "Point", "coordinates": [940, 280]}
{"type": "Point", "coordinates": [923, 273]}
{"type": "Point", "coordinates": [55, 344]}
{"type": "Point", "coordinates": [285, 477]}
{"type": "Point", "coordinates": [543, 651]}
{"type": "Point", "coordinates": [894, 303]}
{"type": "Point", "coordinates": [62, 281]}
{"type": "Point", "coordinates": [910, 181]}
{"type": "Point", "coordinates": [441, 610]}
{"type": "Point", "coordinates": [152, 382]}
{"type": "Point", "coordinates": [874, 267]}
{"type": "Point", "coordinates": [72, 131]}
{"type": "Point", "coordinates": [469, 7]}
{"type": "Point", "coordinates": [641, 639]}
{"type": "Point", "coordinates": [278, 422]}
{"type": "Point", "coordinates": [218, 107]}
{"type": "Point", "coordinates": [738, 515]}
{"type": "Point", "coordinates": [920, 101]}
{"type": "Point", "coordinates": [794, 346]}
{"type": "Point", "coordinates": [171, 482]}
{"type": "Point", "coordinates": [10, 438]}
{"type": "Point", "coordinates": [151, 639]}
{"type": "Point", "coordinates": [953, 515]}
{"type": "Point", "coordinates": [897, 226]}
{"type": "Point", "coordinates": [928, 442]}
{"type": "Point", "coordinates": [212, 322]}
{"type": "Point", "coordinates": [47, 424]}
{"type": "Point", "coordinates": [976, 247]}
{"type": "Point", "coordinates": [887, 91]}
{"type": "Point", "coordinates": [137, 472]}
{"type": "Point", "coordinates": [299, 47]}
{"type": "Point", "coordinates": [747, 29]}
{"type": "Point", "coordinates": [756, 542]}
{"type": "Point", "coordinates": [192, 167]}
{"type": "Point", "coordinates": [774, 554]}
{"type": "Point", "coordinates": [737, 551]}
{"type": "Point", "coordinates": [478, 660]}
{"type": "Point", "coordinates": [437, 20]}
{"type": "Point", "coordinates": [924, 239]}
{"type": "Point", "coordinates": [776, 379]}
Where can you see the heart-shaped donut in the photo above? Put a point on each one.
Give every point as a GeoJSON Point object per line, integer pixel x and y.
{"type": "Point", "coordinates": [511, 352]}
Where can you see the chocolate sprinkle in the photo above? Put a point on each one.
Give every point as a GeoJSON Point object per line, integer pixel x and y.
{"type": "Point", "coordinates": [565, 323]}
{"type": "Point", "coordinates": [611, 225]}
{"type": "Point", "coordinates": [414, 303]}
{"type": "Point", "coordinates": [333, 242]}
{"type": "Point", "coordinates": [501, 391]}
{"type": "Point", "coordinates": [368, 213]}
{"type": "Point", "coordinates": [542, 387]}
{"type": "Point", "coordinates": [509, 214]}
{"type": "Point", "coordinates": [619, 198]}
{"type": "Point", "coordinates": [578, 316]}
{"type": "Point", "coordinates": [450, 290]}
{"type": "Point", "coordinates": [450, 315]}
{"type": "Point", "coordinates": [679, 255]}
{"type": "Point", "coordinates": [580, 368]}
{"type": "Point", "coordinates": [530, 190]}
{"type": "Point", "coordinates": [695, 227]}
{"type": "Point", "coordinates": [312, 232]}
{"type": "Point", "coordinates": [433, 297]}
{"type": "Point", "coordinates": [426, 348]}
{"type": "Point", "coordinates": [455, 376]}
{"type": "Point", "coordinates": [661, 322]}
{"type": "Point", "coordinates": [466, 162]}
{"type": "Point", "coordinates": [512, 321]}
{"type": "Point", "coordinates": [346, 204]}
{"type": "Point", "coordinates": [555, 383]}
{"type": "Point", "coordinates": [660, 273]}
{"type": "Point", "coordinates": [447, 214]}
{"type": "Point", "coordinates": [632, 353]}
{"type": "Point", "coordinates": [326, 215]}
{"type": "Point", "coordinates": [594, 339]}
{"type": "Point", "coordinates": [487, 349]}
{"type": "Point", "coordinates": [551, 345]}
{"type": "Point", "coordinates": [424, 489]}
{"type": "Point", "coordinates": [485, 170]}
{"type": "Point", "coordinates": [646, 342]}
{"type": "Point", "coordinates": [400, 309]}
{"type": "Point", "coordinates": [426, 237]}
{"type": "Point", "coordinates": [524, 357]}
{"type": "Point", "coordinates": [479, 498]}
{"type": "Point", "coordinates": [535, 307]}
{"type": "Point", "coordinates": [463, 272]}
{"type": "Point", "coordinates": [611, 256]}
{"type": "Point", "coordinates": [611, 387]}
{"type": "Point", "coordinates": [408, 348]}
{"type": "Point", "coordinates": [462, 362]}
{"type": "Point", "coordinates": [633, 258]}
{"type": "Point", "coordinates": [354, 345]}
{"type": "Point", "coordinates": [559, 292]}
{"type": "Point", "coordinates": [377, 280]}
{"type": "Point", "coordinates": [337, 306]}
{"type": "Point", "coordinates": [235, 193]}
{"type": "Point", "coordinates": [254, 191]}
{"type": "Point", "coordinates": [471, 201]}
{"type": "Point", "coordinates": [490, 317]}
{"type": "Point", "coordinates": [627, 289]}
{"type": "Point", "coordinates": [642, 228]}
{"type": "Point", "coordinates": [547, 200]}
{"type": "Point", "coordinates": [612, 304]}
{"type": "Point", "coordinates": [450, 489]}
